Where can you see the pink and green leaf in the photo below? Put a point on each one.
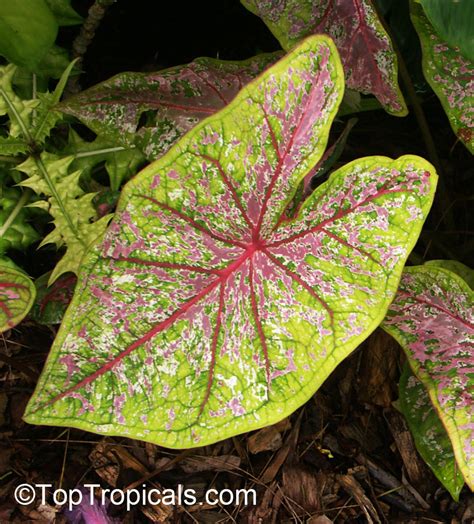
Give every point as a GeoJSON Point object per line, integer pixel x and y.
{"type": "Point", "coordinates": [52, 301]}
{"type": "Point", "coordinates": [450, 74]}
{"type": "Point", "coordinates": [203, 313]}
{"type": "Point", "coordinates": [432, 317]}
{"type": "Point", "coordinates": [171, 102]}
{"type": "Point", "coordinates": [465, 272]}
{"type": "Point", "coordinates": [17, 294]}
{"type": "Point", "coordinates": [367, 54]}
{"type": "Point", "coordinates": [431, 439]}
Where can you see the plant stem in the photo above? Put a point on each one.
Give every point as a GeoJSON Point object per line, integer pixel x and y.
{"type": "Point", "coordinates": [85, 154]}
{"type": "Point", "coordinates": [25, 197]}
{"type": "Point", "coordinates": [85, 37]}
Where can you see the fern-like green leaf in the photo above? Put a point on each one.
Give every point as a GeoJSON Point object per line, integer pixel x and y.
{"type": "Point", "coordinates": [72, 210]}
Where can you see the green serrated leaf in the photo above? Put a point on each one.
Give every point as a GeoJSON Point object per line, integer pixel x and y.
{"type": "Point", "coordinates": [15, 231]}
{"type": "Point", "coordinates": [19, 111]}
{"type": "Point", "coordinates": [10, 146]}
{"type": "Point", "coordinates": [72, 210]}
{"type": "Point", "coordinates": [431, 439]}
{"type": "Point", "coordinates": [432, 317]}
{"type": "Point", "coordinates": [17, 294]}
{"type": "Point", "coordinates": [203, 313]}
{"type": "Point", "coordinates": [450, 74]}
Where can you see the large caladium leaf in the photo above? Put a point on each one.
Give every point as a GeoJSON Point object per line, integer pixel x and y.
{"type": "Point", "coordinates": [169, 102]}
{"type": "Point", "coordinates": [432, 317]}
{"type": "Point", "coordinates": [17, 294]}
{"type": "Point", "coordinates": [450, 74]}
{"type": "Point", "coordinates": [203, 313]}
{"type": "Point", "coordinates": [367, 54]}
{"type": "Point", "coordinates": [431, 439]}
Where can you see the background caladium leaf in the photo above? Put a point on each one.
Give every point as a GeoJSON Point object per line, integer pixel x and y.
{"type": "Point", "coordinates": [450, 74]}
{"type": "Point", "coordinates": [432, 317]}
{"type": "Point", "coordinates": [452, 20]}
{"type": "Point", "coordinates": [51, 301]}
{"type": "Point", "coordinates": [465, 272]}
{"type": "Point", "coordinates": [431, 439]}
{"type": "Point", "coordinates": [153, 110]}
{"type": "Point", "coordinates": [202, 314]}
{"type": "Point", "coordinates": [367, 54]}
{"type": "Point", "coordinates": [17, 294]}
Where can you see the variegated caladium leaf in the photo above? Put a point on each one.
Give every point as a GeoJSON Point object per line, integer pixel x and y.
{"type": "Point", "coordinates": [170, 102]}
{"type": "Point", "coordinates": [450, 75]}
{"type": "Point", "coordinates": [431, 439]}
{"type": "Point", "coordinates": [369, 60]}
{"type": "Point", "coordinates": [51, 301]}
{"type": "Point", "coordinates": [432, 317]}
{"type": "Point", "coordinates": [203, 313]}
{"type": "Point", "coordinates": [465, 272]}
{"type": "Point", "coordinates": [17, 294]}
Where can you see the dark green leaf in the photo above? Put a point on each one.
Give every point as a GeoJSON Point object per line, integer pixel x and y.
{"type": "Point", "coordinates": [64, 13]}
{"type": "Point", "coordinates": [27, 31]}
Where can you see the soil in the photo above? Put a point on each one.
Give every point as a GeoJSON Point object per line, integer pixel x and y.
{"type": "Point", "coordinates": [346, 456]}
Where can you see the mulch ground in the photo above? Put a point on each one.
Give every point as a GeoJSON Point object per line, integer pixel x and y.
{"type": "Point", "coordinates": [345, 456]}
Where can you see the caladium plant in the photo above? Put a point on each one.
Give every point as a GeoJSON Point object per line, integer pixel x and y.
{"type": "Point", "coordinates": [17, 294]}
{"type": "Point", "coordinates": [367, 54]}
{"type": "Point", "coordinates": [153, 110]}
{"type": "Point", "coordinates": [432, 317]}
{"type": "Point", "coordinates": [431, 439]}
{"type": "Point", "coordinates": [51, 301]}
{"type": "Point", "coordinates": [450, 74]}
{"type": "Point", "coordinates": [204, 312]}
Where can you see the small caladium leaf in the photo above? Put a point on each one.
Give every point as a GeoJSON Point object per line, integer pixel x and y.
{"type": "Point", "coordinates": [153, 110]}
{"type": "Point", "coordinates": [431, 439]}
{"type": "Point", "coordinates": [51, 301]}
{"type": "Point", "coordinates": [202, 314]}
{"type": "Point", "coordinates": [17, 294]}
{"type": "Point", "coordinates": [367, 54]}
{"type": "Point", "coordinates": [432, 317]}
{"type": "Point", "coordinates": [450, 74]}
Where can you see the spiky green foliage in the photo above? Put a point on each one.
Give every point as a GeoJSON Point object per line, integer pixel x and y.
{"type": "Point", "coordinates": [72, 210]}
